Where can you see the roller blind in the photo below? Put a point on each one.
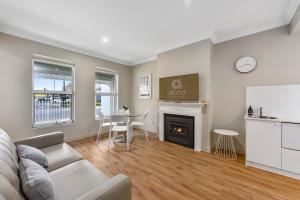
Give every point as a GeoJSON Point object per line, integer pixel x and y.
{"type": "Point", "coordinates": [50, 71]}
{"type": "Point", "coordinates": [105, 79]}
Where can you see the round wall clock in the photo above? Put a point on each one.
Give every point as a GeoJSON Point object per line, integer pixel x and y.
{"type": "Point", "coordinates": [245, 64]}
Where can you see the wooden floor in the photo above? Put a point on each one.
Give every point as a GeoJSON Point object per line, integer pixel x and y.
{"type": "Point", "coordinates": [162, 170]}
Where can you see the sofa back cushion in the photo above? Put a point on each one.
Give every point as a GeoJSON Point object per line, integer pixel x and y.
{"type": "Point", "coordinates": [8, 151]}
{"type": "Point", "coordinates": [4, 136]}
{"type": "Point", "coordinates": [7, 142]}
{"type": "Point", "coordinates": [9, 167]}
{"type": "Point", "coordinates": [11, 176]}
{"type": "Point", "coordinates": [7, 191]}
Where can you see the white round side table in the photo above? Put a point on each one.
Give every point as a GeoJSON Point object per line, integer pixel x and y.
{"type": "Point", "coordinates": [225, 146]}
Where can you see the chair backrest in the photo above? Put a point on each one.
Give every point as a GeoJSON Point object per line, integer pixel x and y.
{"type": "Point", "coordinates": [123, 119]}
{"type": "Point", "coordinates": [100, 116]}
{"type": "Point", "coordinates": [145, 115]}
{"type": "Point", "coordinates": [123, 112]}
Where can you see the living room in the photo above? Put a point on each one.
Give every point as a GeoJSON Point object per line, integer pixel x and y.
{"type": "Point", "coordinates": [179, 108]}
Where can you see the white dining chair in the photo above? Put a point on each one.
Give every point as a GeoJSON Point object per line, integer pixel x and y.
{"type": "Point", "coordinates": [102, 124]}
{"type": "Point", "coordinates": [119, 123]}
{"type": "Point", "coordinates": [123, 112]}
{"type": "Point", "coordinates": [142, 123]}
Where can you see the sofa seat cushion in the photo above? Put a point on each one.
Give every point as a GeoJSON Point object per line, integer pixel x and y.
{"type": "Point", "coordinates": [60, 155]}
{"type": "Point", "coordinates": [76, 179]}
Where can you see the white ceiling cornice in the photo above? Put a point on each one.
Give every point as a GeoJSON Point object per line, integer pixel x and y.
{"type": "Point", "coordinates": [192, 26]}
{"type": "Point", "coordinates": [291, 10]}
{"type": "Point", "coordinates": [233, 35]}
{"type": "Point", "coordinates": [30, 36]}
{"type": "Point", "coordinates": [174, 46]}
{"type": "Point", "coordinates": [246, 32]}
{"type": "Point", "coordinates": [202, 37]}
{"type": "Point", "coordinates": [151, 58]}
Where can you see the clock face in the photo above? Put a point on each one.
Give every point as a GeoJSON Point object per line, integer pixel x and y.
{"type": "Point", "coordinates": [245, 64]}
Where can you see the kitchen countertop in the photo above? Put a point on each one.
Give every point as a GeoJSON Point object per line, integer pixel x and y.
{"type": "Point", "coordinates": [279, 119]}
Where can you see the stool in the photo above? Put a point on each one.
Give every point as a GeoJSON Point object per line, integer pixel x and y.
{"type": "Point", "coordinates": [225, 146]}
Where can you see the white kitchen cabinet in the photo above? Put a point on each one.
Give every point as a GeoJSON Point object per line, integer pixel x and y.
{"type": "Point", "coordinates": [290, 160]}
{"type": "Point", "coordinates": [291, 147]}
{"type": "Point", "coordinates": [291, 136]}
{"type": "Point", "coordinates": [263, 142]}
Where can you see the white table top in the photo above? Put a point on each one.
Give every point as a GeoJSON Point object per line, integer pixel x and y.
{"type": "Point", "coordinates": [226, 132]}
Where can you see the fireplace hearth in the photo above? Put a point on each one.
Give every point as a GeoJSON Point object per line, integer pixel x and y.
{"type": "Point", "coordinates": [179, 129]}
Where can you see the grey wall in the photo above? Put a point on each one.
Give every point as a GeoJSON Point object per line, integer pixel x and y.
{"type": "Point", "coordinates": [277, 53]}
{"type": "Point", "coordinates": [16, 87]}
{"type": "Point", "coordinates": [278, 57]}
{"type": "Point", "coordinates": [194, 58]}
{"type": "Point", "coordinates": [141, 105]}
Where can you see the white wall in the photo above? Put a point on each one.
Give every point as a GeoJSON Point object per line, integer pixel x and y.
{"type": "Point", "coordinates": [16, 92]}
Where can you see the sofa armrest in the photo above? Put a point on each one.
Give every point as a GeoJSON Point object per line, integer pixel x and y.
{"type": "Point", "coordinates": [42, 141]}
{"type": "Point", "coordinates": [116, 188]}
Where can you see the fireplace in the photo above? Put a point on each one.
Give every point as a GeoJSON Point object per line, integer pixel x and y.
{"type": "Point", "coordinates": [179, 129]}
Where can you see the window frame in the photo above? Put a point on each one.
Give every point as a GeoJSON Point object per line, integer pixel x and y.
{"type": "Point", "coordinates": [53, 61]}
{"type": "Point", "coordinates": [116, 87]}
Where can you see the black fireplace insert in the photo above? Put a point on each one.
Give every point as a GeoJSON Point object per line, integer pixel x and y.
{"type": "Point", "coordinates": [179, 129]}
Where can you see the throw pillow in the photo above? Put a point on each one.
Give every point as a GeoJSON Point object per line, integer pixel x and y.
{"type": "Point", "coordinates": [36, 181]}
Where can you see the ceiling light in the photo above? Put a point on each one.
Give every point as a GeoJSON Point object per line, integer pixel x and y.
{"type": "Point", "coordinates": [105, 40]}
{"type": "Point", "coordinates": [187, 2]}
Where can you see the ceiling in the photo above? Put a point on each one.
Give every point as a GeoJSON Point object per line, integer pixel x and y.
{"type": "Point", "coordinates": [135, 31]}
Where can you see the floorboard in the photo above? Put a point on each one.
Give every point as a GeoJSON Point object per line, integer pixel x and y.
{"type": "Point", "coordinates": [162, 170]}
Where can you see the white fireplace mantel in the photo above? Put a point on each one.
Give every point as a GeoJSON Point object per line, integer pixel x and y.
{"type": "Point", "coordinates": [188, 109]}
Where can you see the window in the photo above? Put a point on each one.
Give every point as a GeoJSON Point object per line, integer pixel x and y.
{"type": "Point", "coordinates": [53, 93]}
{"type": "Point", "coordinates": [106, 93]}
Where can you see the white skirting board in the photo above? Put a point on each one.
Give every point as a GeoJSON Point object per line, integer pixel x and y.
{"type": "Point", "coordinates": [78, 137]}
{"type": "Point", "coordinates": [272, 169]}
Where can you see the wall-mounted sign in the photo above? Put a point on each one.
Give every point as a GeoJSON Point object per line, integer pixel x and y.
{"type": "Point", "coordinates": [179, 88]}
{"type": "Point", "coordinates": [145, 86]}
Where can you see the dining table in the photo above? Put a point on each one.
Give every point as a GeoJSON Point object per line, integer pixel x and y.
{"type": "Point", "coordinates": [122, 138]}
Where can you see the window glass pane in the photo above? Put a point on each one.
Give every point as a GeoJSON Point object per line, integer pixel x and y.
{"type": "Point", "coordinates": [49, 77]}
{"type": "Point", "coordinates": [104, 87]}
{"type": "Point", "coordinates": [43, 84]}
{"type": "Point", "coordinates": [52, 108]}
{"type": "Point", "coordinates": [105, 94]}
{"type": "Point", "coordinates": [105, 104]}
